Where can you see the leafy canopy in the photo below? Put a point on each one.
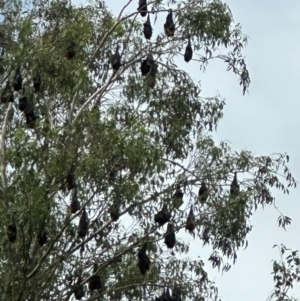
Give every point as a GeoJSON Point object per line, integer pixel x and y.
{"type": "Point", "coordinates": [105, 150]}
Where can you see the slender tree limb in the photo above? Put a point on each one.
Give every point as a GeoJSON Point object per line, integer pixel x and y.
{"type": "Point", "coordinates": [3, 149]}
{"type": "Point", "coordinates": [35, 270]}
{"type": "Point", "coordinates": [99, 93]}
{"type": "Point", "coordinates": [121, 12]}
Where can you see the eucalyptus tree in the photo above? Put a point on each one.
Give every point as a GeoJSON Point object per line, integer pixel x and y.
{"type": "Point", "coordinates": [107, 153]}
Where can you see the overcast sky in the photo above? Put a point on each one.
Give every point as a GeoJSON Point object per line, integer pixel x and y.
{"type": "Point", "coordinates": [265, 121]}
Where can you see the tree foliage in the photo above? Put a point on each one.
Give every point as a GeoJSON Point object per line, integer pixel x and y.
{"type": "Point", "coordinates": [93, 155]}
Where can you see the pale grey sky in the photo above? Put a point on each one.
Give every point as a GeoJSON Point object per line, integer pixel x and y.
{"type": "Point", "coordinates": [265, 121]}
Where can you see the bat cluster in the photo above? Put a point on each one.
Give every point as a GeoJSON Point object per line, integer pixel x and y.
{"type": "Point", "coordinates": [190, 222]}
{"type": "Point", "coordinates": [166, 296]}
{"type": "Point", "coordinates": [148, 66]}
{"type": "Point", "coordinates": [169, 28]}
{"type": "Point", "coordinates": [71, 51]}
{"type": "Point", "coordinates": [11, 232]}
{"type": "Point", "coordinates": [116, 59]}
{"type": "Point", "coordinates": [203, 193]}
{"type": "Point", "coordinates": [143, 260]}
{"type": "Point", "coordinates": [24, 106]}
{"type": "Point", "coordinates": [234, 187]}
{"type": "Point", "coordinates": [94, 283]}
{"type": "Point", "coordinates": [170, 239]}
{"type": "Point", "coordinates": [163, 216]}
{"type": "Point", "coordinates": [79, 290]}
{"type": "Point", "coordinates": [75, 206]}
{"type": "Point", "coordinates": [42, 237]}
{"type": "Point", "coordinates": [114, 212]}
{"type": "Point", "coordinates": [7, 94]}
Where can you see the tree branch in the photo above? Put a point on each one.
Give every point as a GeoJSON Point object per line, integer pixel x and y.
{"type": "Point", "coordinates": [3, 149]}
